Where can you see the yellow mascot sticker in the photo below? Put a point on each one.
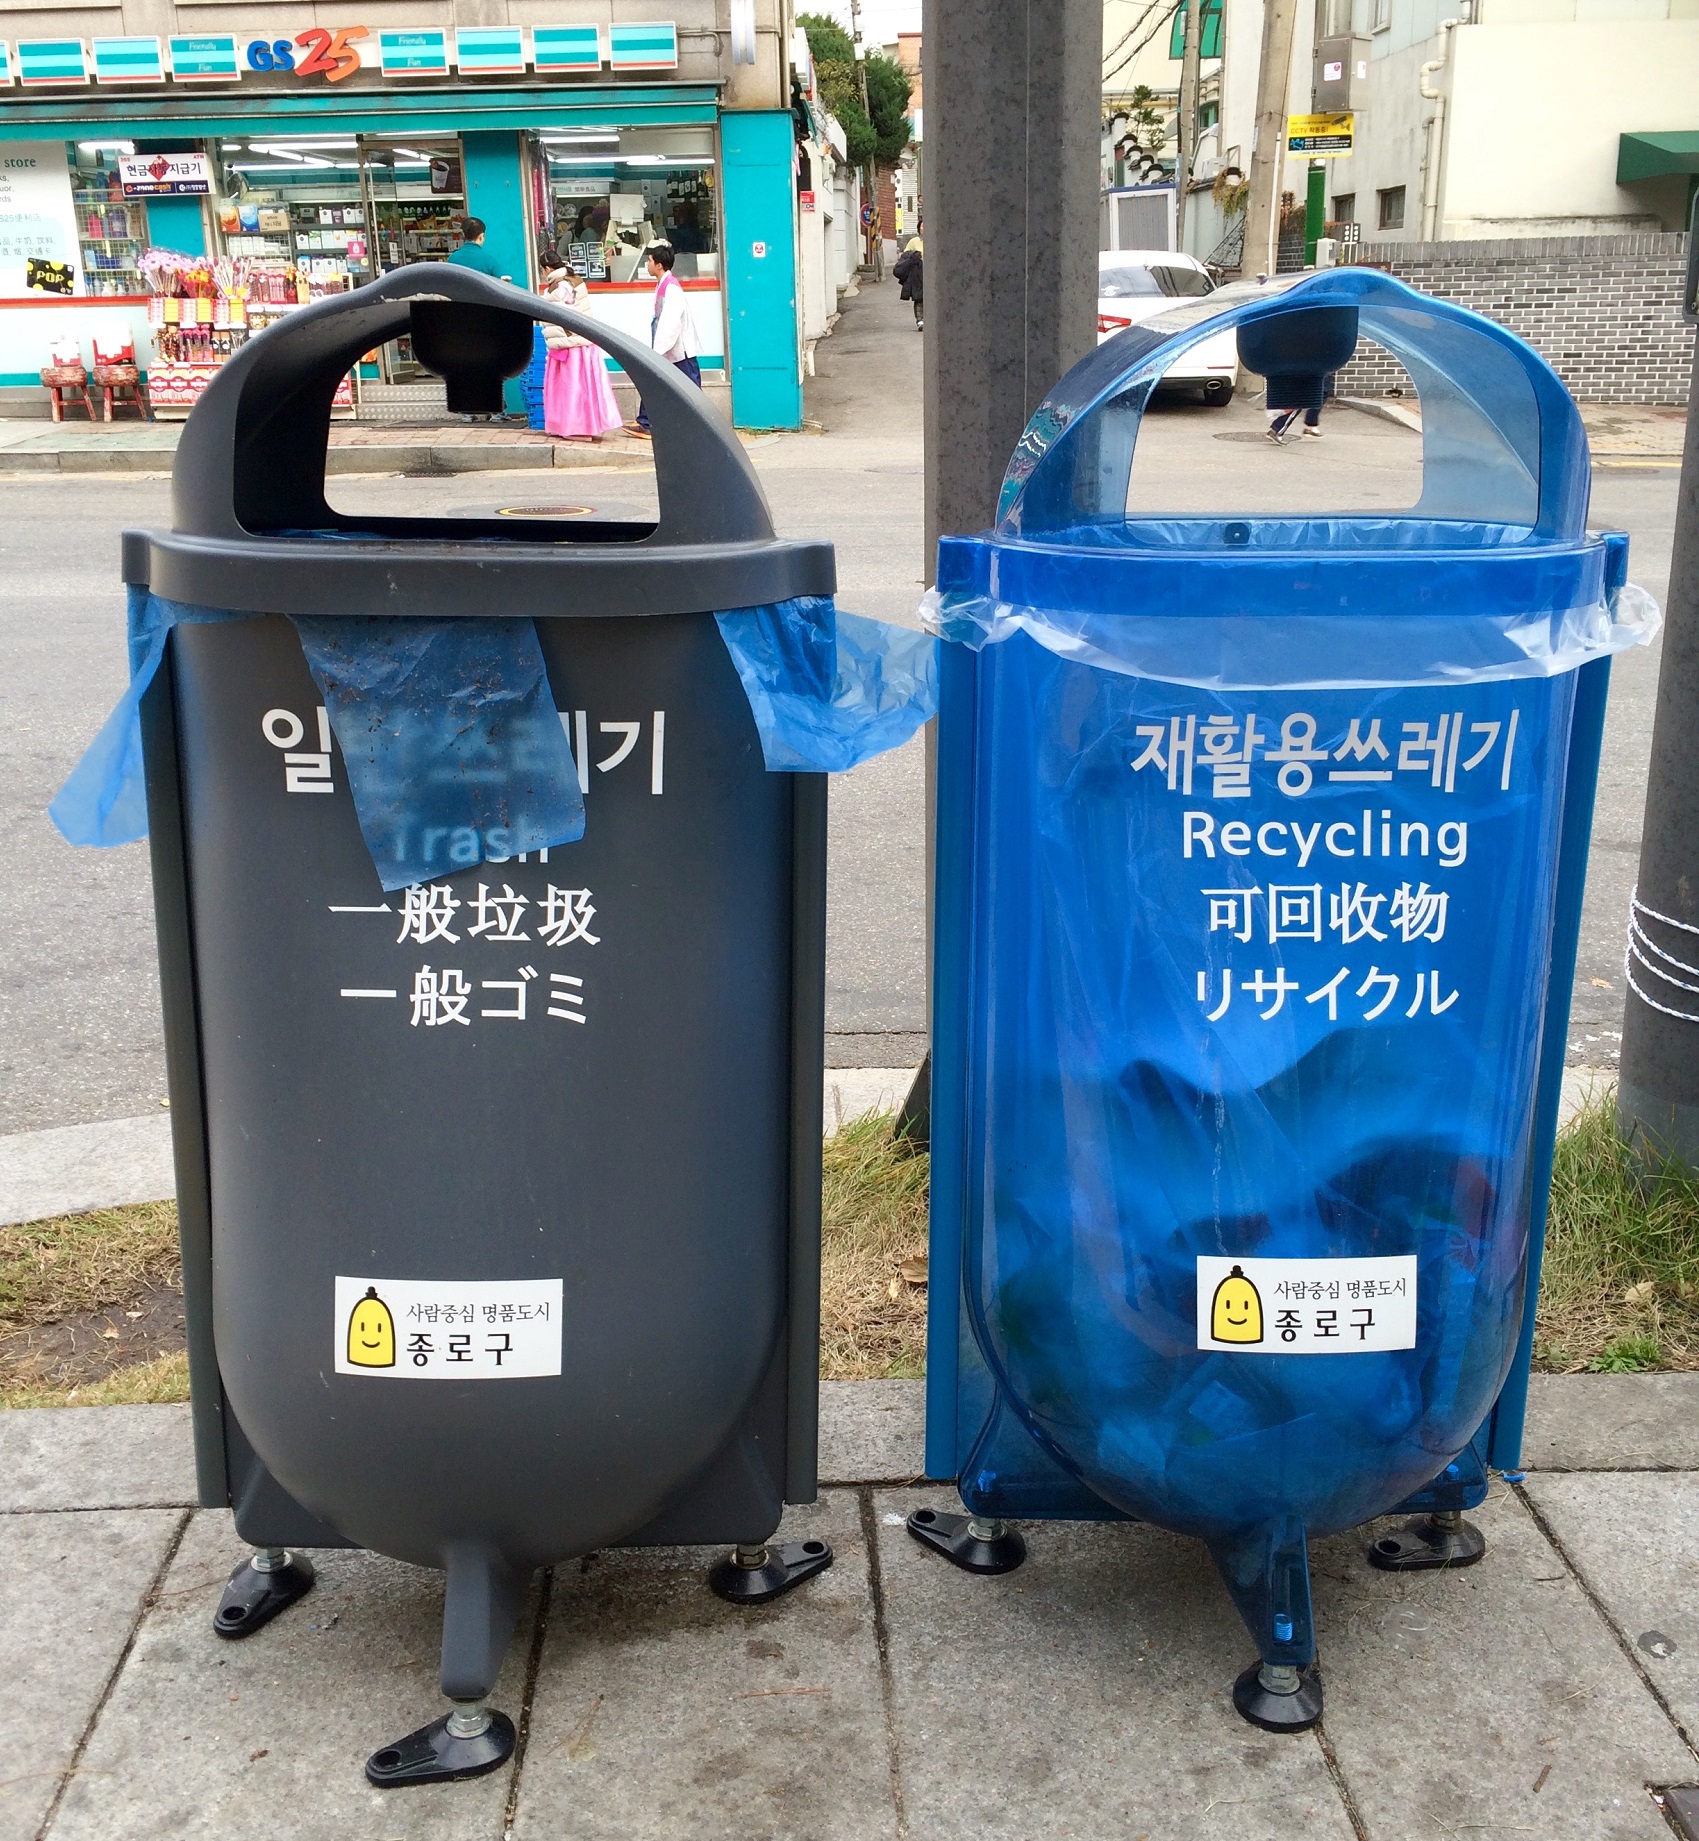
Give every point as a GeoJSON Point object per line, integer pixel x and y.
{"type": "Point", "coordinates": [1236, 1311]}
{"type": "Point", "coordinates": [371, 1332]}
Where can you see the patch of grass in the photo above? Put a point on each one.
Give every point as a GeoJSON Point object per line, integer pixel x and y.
{"type": "Point", "coordinates": [1620, 1289]}
{"type": "Point", "coordinates": [73, 1264]}
{"type": "Point", "coordinates": [146, 1384]}
{"type": "Point", "coordinates": [872, 1294]}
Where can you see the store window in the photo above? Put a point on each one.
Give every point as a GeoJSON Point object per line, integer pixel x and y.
{"type": "Point", "coordinates": [111, 230]}
{"type": "Point", "coordinates": [610, 194]}
{"type": "Point", "coordinates": [1344, 207]}
{"type": "Point", "coordinates": [1391, 203]}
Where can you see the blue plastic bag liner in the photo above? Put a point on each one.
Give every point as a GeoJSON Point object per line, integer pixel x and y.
{"type": "Point", "coordinates": [829, 690]}
{"type": "Point", "coordinates": [454, 747]}
{"type": "Point", "coordinates": [455, 751]}
{"type": "Point", "coordinates": [104, 801]}
{"type": "Point", "coordinates": [1227, 651]}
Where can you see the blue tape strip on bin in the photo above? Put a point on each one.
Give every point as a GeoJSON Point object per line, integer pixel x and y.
{"type": "Point", "coordinates": [829, 690]}
{"type": "Point", "coordinates": [449, 731]}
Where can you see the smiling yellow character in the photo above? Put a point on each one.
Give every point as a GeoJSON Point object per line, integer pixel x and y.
{"type": "Point", "coordinates": [1236, 1314]}
{"type": "Point", "coordinates": [371, 1332]}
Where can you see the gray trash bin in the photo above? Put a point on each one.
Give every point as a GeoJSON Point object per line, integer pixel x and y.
{"type": "Point", "coordinates": [499, 1191]}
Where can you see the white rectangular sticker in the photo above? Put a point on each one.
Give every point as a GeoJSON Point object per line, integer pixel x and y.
{"type": "Point", "coordinates": [1307, 1306]}
{"type": "Point", "coordinates": [448, 1329]}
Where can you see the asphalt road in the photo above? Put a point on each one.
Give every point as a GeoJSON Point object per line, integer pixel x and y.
{"type": "Point", "coordinates": [79, 1011]}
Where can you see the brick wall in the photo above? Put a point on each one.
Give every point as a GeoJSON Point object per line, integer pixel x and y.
{"type": "Point", "coordinates": [1604, 312]}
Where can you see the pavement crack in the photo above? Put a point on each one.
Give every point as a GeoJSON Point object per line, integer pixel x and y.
{"type": "Point", "coordinates": [882, 1637]}
{"type": "Point", "coordinates": [1336, 1771]}
{"type": "Point", "coordinates": [533, 1665]}
{"type": "Point", "coordinates": [1623, 1641]}
{"type": "Point", "coordinates": [149, 1599]}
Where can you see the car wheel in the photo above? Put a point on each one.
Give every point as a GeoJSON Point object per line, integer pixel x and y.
{"type": "Point", "coordinates": [1217, 395]}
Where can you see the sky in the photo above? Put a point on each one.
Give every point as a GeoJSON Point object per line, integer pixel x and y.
{"type": "Point", "coordinates": [881, 20]}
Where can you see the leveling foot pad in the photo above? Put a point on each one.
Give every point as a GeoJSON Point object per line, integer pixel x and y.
{"type": "Point", "coordinates": [460, 1744]}
{"type": "Point", "coordinates": [257, 1591]}
{"type": "Point", "coordinates": [1428, 1545]}
{"type": "Point", "coordinates": [972, 1542]}
{"type": "Point", "coordinates": [753, 1575]}
{"type": "Point", "coordinates": [1279, 1699]}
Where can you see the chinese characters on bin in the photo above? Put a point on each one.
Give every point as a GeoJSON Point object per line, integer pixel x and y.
{"type": "Point", "coordinates": [1391, 915]}
{"type": "Point", "coordinates": [444, 996]}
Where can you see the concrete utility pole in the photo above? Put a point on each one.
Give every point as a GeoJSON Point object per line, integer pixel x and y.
{"type": "Point", "coordinates": [1657, 1100]}
{"type": "Point", "coordinates": [1014, 99]}
{"type": "Point", "coordinates": [1268, 147]}
{"type": "Point", "coordinates": [1188, 122]}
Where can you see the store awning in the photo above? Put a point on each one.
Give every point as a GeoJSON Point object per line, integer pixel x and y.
{"type": "Point", "coordinates": [413, 111]}
{"type": "Point", "coordinates": [1656, 156]}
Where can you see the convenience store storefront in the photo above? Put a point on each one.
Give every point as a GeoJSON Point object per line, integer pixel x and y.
{"type": "Point", "coordinates": [287, 187]}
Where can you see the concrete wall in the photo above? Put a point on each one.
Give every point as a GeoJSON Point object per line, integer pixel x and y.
{"type": "Point", "coordinates": [1604, 312]}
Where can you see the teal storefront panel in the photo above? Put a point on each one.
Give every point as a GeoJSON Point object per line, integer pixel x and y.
{"type": "Point", "coordinates": [495, 192]}
{"type": "Point", "coordinates": [414, 54]}
{"type": "Point", "coordinates": [653, 47]}
{"type": "Point", "coordinates": [51, 60]}
{"type": "Point", "coordinates": [759, 259]}
{"type": "Point", "coordinates": [205, 58]}
{"type": "Point", "coordinates": [177, 223]}
{"type": "Point", "coordinates": [566, 48]}
{"type": "Point", "coordinates": [490, 51]}
{"type": "Point", "coordinates": [128, 60]}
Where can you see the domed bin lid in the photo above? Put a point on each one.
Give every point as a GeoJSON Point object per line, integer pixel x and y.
{"type": "Point", "coordinates": [1500, 525]}
{"type": "Point", "coordinates": [250, 521]}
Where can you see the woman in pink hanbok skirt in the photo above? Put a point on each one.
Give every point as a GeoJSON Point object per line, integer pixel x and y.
{"type": "Point", "coordinates": [578, 400]}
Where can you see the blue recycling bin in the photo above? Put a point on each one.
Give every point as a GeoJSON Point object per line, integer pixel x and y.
{"type": "Point", "coordinates": [1260, 854]}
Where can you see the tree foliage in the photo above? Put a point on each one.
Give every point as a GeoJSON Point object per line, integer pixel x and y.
{"type": "Point", "coordinates": [878, 132]}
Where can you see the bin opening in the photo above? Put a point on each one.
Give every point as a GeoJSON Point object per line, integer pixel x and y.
{"type": "Point", "coordinates": [472, 348]}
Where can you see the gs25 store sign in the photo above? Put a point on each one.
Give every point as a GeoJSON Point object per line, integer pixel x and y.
{"type": "Point", "coordinates": [317, 52]}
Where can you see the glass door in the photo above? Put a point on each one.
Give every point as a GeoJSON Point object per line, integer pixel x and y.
{"type": "Point", "coordinates": [415, 195]}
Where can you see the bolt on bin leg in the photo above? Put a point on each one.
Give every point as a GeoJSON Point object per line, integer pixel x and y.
{"type": "Point", "coordinates": [1429, 1544]}
{"type": "Point", "coordinates": [975, 1543]}
{"type": "Point", "coordinates": [754, 1572]}
{"type": "Point", "coordinates": [1266, 1569]}
{"type": "Point", "coordinates": [259, 1588]}
{"type": "Point", "coordinates": [480, 1608]}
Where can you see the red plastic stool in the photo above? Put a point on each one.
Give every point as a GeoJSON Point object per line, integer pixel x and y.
{"type": "Point", "coordinates": [122, 387]}
{"type": "Point", "coordinates": [66, 380]}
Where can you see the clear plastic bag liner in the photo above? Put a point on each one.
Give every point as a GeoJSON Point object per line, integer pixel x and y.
{"type": "Point", "coordinates": [445, 725]}
{"type": "Point", "coordinates": [829, 690]}
{"type": "Point", "coordinates": [450, 734]}
{"type": "Point", "coordinates": [104, 801]}
{"type": "Point", "coordinates": [1311, 651]}
{"type": "Point", "coordinates": [1268, 981]}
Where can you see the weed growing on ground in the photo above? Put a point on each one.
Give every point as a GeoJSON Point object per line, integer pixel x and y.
{"type": "Point", "coordinates": [50, 1270]}
{"type": "Point", "coordinates": [146, 1384]}
{"type": "Point", "coordinates": [1620, 1289]}
{"type": "Point", "coordinates": [873, 1251]}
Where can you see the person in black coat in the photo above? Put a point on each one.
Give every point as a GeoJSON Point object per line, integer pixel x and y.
{"type": "Point", "coordinates": [909, 271]}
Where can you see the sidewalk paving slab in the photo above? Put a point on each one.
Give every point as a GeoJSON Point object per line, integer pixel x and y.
{"type": "Point", "coordinates": [1612, 1422]}
{"type": "Point", "coordinates": [1635, 1540]}
{"type": "Point", "coordinates": [872, 1432]}
{"type": "Point", "coordinates": [1449, 1693]}
{"type": "Point", "coordinates": [70, 1169]}
{"type": "Point", "coordinates": [1085, 1695]}
{"type": "Point", "coordinates": [95, 1457]}
{"type": "Point", "coordinates": [662, 1714]}
{"type": "Point", "coordinates": [71, 1589]}
{"type": "Point", "coordinates": [266, 1739]}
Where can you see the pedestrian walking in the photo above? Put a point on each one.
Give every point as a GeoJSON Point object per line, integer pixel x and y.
{"type": "Point", "coordinates": [1282, 415]}
{"type": "Point", "coordinates": [670, 329]}
{"type": "Point", "coordinates": [578, 400]}
{"type": "Point", "coordinates": [909, 272]}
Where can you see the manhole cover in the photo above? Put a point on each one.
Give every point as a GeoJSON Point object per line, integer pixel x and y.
{"type": "Point", "coordinates": [544, 511]}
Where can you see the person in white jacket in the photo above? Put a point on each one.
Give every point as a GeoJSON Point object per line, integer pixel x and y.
{"type": "Point", "coordinates": [671, 330]}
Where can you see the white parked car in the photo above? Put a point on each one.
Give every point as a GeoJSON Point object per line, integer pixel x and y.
{"type": "Point", "coordinates": [1134, 285]}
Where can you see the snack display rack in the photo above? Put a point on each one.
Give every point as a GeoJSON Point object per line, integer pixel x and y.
{"type": "Point", "coordinates": [203, 309]}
